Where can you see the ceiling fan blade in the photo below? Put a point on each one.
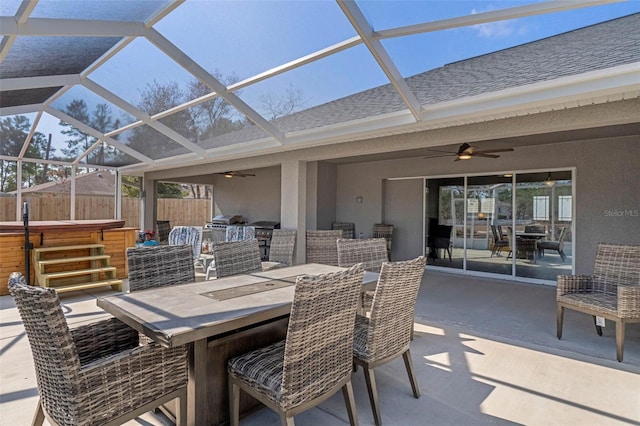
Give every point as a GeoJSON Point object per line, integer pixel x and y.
{"type": "Point", "coordinates": [484, 154]}
{"type": "Point", "coordinates": [489, 151]}
{"type": "Point", "coordinates": [441, 155]}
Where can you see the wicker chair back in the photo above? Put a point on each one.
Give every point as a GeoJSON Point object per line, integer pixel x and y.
{"type": "Point", "coordinates": [322, 247]}
{"type": "Point", "coordinates": [283, 243]}
{"type": "Point", "coordinates": [160, 266]}
{"type": "Point", "coordinates": [236, 257]}
{"type": "Point", "coordinates": [371, 252]}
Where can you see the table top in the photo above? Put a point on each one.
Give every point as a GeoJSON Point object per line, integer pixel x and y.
{"type": "Point", "coordinates": [179, 314]}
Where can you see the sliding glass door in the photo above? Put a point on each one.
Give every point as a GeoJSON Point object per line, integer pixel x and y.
{"type": "Point", "coordinates": [518, 224]}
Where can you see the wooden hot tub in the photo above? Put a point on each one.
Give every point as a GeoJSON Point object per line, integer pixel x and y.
{"type": "Point", "coordinates": [111, 233]}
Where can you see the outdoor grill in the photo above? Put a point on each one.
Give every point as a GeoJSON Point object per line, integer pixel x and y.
{"type": "Point", "coordinates": [264, 230]}
{"type": "Point", "coordinates": [218, 226]}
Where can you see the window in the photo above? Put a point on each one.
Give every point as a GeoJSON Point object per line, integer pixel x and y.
{"type": "Point", "coordinates": [540, 207]}
{"type": "Point", "coordinates": [564, 207]}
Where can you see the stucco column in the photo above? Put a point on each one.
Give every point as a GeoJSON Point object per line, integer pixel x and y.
{"type": "Point", "coordinates": [149, 203]}
{"type": "Point", "coordinates": [293, 201]}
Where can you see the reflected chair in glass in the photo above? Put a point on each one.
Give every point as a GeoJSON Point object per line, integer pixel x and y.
{"type": "Point", "coordinates": [439, 239]}
{"type": "Point", "coordinates": [554, 245]}
{"type": "Point", "coordinates": [612, 291]}
{"type": "Point", "coordinates": [499, 243]}
{"type": "Point", "coordinates": [96, 373]}
{"type": "Point", "coordinates": [191, 235]}
{"type": "Point", "coordinates": [322, 247]}
{"type": "Point", "coordinates": [316, 358]}
{"type": "Point", "coordinates": [281, 248]}
{"type": "Point", "coordinates": [348, 229]}
{"type": "Point", "coordinates": [236, 257]}
{"type": "Point", "coordinates": [387, 333]}
{"type": "Point", "coordinates": [384, 230]}
{"type": "Point", "coordinates": [160, 266]}
{"type": "Point", "coordinates": [525, 248]}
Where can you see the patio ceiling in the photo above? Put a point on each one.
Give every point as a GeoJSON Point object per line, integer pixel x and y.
{"type": "Point", "coordinates": [144, 84]}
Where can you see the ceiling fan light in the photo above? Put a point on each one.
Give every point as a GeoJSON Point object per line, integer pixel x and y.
{"type": "Point", "coordinates": [464, 156]}
{"type": "Point", "coordinates": [548, 181]}
{"type": "Point", "coordinates": [228, 175]}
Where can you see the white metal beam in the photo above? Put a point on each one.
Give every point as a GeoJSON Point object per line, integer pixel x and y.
{"type": "Point", "coordinates": [365, 31]}
{"type": "Point", "coordinates": [25, 83]}
{"type": "Point", "coordinates": [22, 14]}
{"type": "Point", "coordinates": [70, 27]}
{"type": "Point", "coordinates": [322, 53]}
{"type": "Point", "coordinates": [201, 74]}
{"type": "Point", "coordinates": [491, 16]}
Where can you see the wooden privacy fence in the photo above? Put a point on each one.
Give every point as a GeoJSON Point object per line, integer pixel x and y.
{"type": "Point", "coordinates": [52, 206]}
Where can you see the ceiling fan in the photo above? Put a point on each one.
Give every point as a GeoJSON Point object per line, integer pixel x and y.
{"type": "Point", "coordinates": [466, 151]}
{"type": "Point", "coordinates": [231, 174]}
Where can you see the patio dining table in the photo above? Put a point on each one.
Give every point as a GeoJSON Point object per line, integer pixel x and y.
{"type": "Point", "coordinates": [218, 319]}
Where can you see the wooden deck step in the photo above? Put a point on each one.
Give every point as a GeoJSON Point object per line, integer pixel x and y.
{"type": "Point", "coordinates": [68, 274]}
{"type": "Point", "coordinates": [115, 284]}
{"type": "Point", "coordinates": [74, 259]}
{"type": "Point", "coordinates": [64, 248]}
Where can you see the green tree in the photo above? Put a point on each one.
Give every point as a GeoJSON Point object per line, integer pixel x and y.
{"type": "Point", "coordinates": [77, 141]}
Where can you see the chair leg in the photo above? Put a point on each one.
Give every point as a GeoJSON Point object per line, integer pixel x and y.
{"type": "Point", "coordinates": [619, 339]}
{"type": "Point", "coordinates": [181, 415]}
{"type": "Point", "coordinates": [559, 320]}
{"type": "Point", "coordinates": [598, 328]}
{"type": "Point", "coordinates": [412, 375]}
{"type": "Point", "coordinates": [562, 255]}
{"type": "Point", "coordinates": [38, 416]}
{"type": "Point", "coordinates": [373, 394]}
{"type": "Point", "coordinates": [234, 403]}
{"type": "Point", "coordinates": [286, 420]}
{"type": "Point", "coordinates": [350, 403]}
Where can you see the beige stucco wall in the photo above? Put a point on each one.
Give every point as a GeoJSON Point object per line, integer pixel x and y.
{"type": "Point", "coordinates": [254, 197]}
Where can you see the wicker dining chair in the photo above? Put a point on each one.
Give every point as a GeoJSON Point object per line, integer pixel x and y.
{"type": "Point", "coordinates": [281, 248]}
{"type": "Point", "coordinates": [95, 374]}
{"type": "Point", "coordinates": [348, 228]}
{"type": "Point", "coordinates": [386, 334]}
{"type": "Point", "coordinates": [384, 230]}
{"type": "Point", "coordinates": [160, 266]}
{"type": "Point", "coordinates": [315, 359]}
{"type": "Point", "coordinates": [236, 257]}
{"type": "Point", "coordinates": [322, 247]}
{"type": "Point", "coordinates": [612, 291]}
{"type": "Point", "coordinates": [371, 252]}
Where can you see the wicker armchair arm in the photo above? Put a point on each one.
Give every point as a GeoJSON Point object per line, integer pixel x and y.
{"type": "Point", "coordinates": [102, 339]}
{"type": "Point", "coordinates": [629, 301]}
{"type": "Point", "coordinates": [131, 378]}
{"type": "Point", "coordinates": [574, 284]}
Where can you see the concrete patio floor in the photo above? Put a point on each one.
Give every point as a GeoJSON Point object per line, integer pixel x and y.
{"type": "Point", "coordinates": [485, 352]}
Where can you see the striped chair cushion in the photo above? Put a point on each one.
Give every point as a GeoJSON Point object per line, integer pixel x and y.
{"type": "Point", "coordinates": [262, 368]}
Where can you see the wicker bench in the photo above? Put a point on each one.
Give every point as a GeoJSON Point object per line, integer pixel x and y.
{"type": "Point", "coordinates": [611, 292]}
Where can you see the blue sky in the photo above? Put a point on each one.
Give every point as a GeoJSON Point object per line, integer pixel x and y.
{"type": "Point", "coordinates": [244, 38]}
